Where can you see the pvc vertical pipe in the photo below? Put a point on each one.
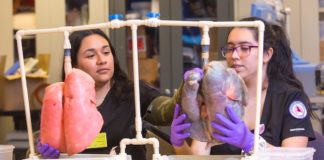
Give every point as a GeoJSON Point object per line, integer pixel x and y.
{"type": "Point", "coordinates": [25, 95]}
{"type": "Point", "coordinates": [67, 54]}
{"type": "Point", "coordinates": [205, 42]}
{"type": "Point", "coordinates": [138, 120]}
{"type": "Point", "coordinates": [259, 86]}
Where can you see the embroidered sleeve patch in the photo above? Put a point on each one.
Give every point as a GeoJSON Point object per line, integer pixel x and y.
{"type": "Point", "coordinates": [298, 110]}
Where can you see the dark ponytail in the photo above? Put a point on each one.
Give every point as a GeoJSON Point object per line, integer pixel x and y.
{"type": "Point", "coordinates": [280, 66]}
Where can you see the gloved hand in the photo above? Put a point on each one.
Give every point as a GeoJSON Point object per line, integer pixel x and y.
{"type": "Point", "coordinates": [189, 95]}
{"type": "Point", "coordinates": [178, 127]}
{"type": "Point", "coordinates": [47, 151]}
{"type": "Point", "coordinates": [233, 131]}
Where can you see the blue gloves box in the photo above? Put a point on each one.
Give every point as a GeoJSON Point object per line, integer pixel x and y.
{"type": "Point", "coordinates": [306, 74]}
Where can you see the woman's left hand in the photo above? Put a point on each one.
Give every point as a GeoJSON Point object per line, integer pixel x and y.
{"type": "Point", "coordinates": [179, 128]}
{"type": "Point", "coordinates": [232, 130]}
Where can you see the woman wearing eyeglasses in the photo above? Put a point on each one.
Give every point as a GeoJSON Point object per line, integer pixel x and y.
{"type": "Point", "coordinates": [285, 118]}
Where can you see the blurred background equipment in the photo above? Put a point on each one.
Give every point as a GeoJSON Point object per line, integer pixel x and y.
{"type": "Point", "coordinates": [77, 12]}
{"type": "Point", "coordinates": [305, 72]}
{"type": "Point", "coordinates": [269, 10]}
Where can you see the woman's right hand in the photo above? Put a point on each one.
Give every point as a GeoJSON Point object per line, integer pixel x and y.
{"type": "Point", "coordinates": [47, 151]}
{"type": "Point", "coordinates": [179, 127]}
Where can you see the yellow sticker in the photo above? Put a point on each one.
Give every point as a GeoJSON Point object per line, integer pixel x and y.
{"type": "Point", "coordinates": [99, 142]}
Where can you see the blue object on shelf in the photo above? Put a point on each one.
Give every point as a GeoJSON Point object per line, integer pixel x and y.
{"type": "Point", "coordinates": [116, 16]}
{"type": "Point", "coordinates": [153, 15]}
{"type": "Point", "coordinates": [191, 39]}
{"type": "Point", "coordinates": [13, 69]}
{"type": "Point", "coordinates": [191, 35]}
{"type": "Point", "coordinates": [305, 73]}
{"type": "Point", "coordinates": [296, 59]}
{"type": "Point", "coordinates": [264, 11]}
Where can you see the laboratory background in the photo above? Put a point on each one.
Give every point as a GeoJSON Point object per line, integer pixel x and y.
{"type": "Point", "coordinates": [164, 53]}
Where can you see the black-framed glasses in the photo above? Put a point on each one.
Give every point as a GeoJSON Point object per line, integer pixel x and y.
{"type": "Point", "coordinates": [241, 50]}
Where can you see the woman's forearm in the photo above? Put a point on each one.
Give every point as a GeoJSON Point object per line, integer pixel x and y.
{"type": "Point", "coordinates": [297, 141]}
{"type": "Point", "coordinates": [183, 150]}
{"type": "Point", "coordinates": [200, 148]}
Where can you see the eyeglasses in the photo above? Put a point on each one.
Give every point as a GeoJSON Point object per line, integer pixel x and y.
{"type": "Point", "coordinates": [241, 50]}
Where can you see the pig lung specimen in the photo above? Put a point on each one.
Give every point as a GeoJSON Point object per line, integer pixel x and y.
{"type": "Point", "coordinates": [79, 119]}
{"type": "Point", "coordinates": [52, 131]}
{"type": "Point", "coordinates": [220, 87]}
{"type": "Point", "coordinates": [82, 121]}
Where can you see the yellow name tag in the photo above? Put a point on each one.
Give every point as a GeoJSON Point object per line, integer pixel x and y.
{"type": "Point", "coordinates": [99, 142]}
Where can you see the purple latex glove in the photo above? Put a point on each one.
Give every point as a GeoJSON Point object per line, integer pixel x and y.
{"type": "Point", "coordinates": [47, 151]}
{"type": "Point", "coordinates": [233, 131]}
{"type": "Point", "coordinates": [178, 128]}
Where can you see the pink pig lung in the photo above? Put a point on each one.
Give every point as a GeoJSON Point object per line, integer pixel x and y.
{"type": "Point", "coordinates": [221, 87]}
{"type": "Point", "coordinates": [82, 121]}
{"type": "Point", "coordinates": [70, 120]}
{"type": "Point", "coordinates": [51, 129]}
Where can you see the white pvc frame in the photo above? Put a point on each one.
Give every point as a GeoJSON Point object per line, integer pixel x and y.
{"type": "Point", "coordinates": [151, 22]}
